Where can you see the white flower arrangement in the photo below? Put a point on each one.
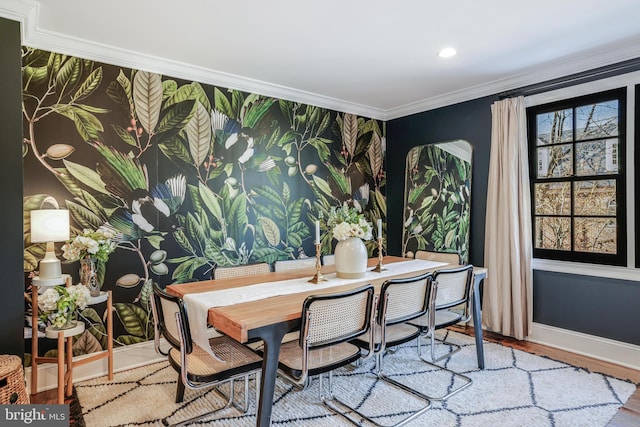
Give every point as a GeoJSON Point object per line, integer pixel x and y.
{"type": "Point", "coordinates": [348, 222]}
{"type": "Point", "coordinates": [96, 244]}
{"type": "Point", "coordinates": [59, 304]}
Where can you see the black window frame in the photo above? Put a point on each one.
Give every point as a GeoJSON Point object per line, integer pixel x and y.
{"type": "Point", "coordinates": [636, 169]}
{"type": "Point", "coordinates": [620, 258]}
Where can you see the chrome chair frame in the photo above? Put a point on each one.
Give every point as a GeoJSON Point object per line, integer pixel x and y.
{"type": "Point", "coordinates": [445, 299]}
{"type": "Point", "coordinates": [401, 300]}
{"type": "Point", "coordinates": [178, 335]}
{"type": "Point", "coordinates": [316, 339]}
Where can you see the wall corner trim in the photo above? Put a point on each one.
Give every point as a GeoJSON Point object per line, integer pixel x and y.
{"type": "Point", "coordinates": [607, 350]}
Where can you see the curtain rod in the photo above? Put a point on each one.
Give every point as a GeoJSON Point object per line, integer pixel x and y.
{"type": "Point", "coordinates": [574, 79]}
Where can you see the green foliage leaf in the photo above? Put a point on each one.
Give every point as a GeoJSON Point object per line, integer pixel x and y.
{"type": "Point", "coordinates": [221, 103]}
{"type": "Point", "coordinates": [321, 146]}
{"type": "Point", "coordinates": [83, 216]}
{"type": "Point", "coordinates": [183, 241]}
{"type": "Point", "coordinates": [124, 135]}
{"type": "Point", "coordinates": [89, 85]}
{"type": "Point", "coordinates": [86, 176]}
{"type": "Point", "coordinates": [147, 98]}
{"type": "Point", "coordinates": [210, 200]}
{"type": "Point", "coordinates": [257, 111]}
{"type": "Point", "coordinates": [350, 132]}
{"type": "Point", "coordinates": [155, 241]}
{"type": "Point", "coordinates": [237, 218]}
{"type": "Point", "coordinates": [125, 84]}
{"type": "Point", "coordinates": [341, 180]}
{"type": "Point", "coordinates": [176, 117]}
{"type": "Point", "coordinates": [322, 185]}
{"type": "Point", "coordinates": [270, 230]}
{"type": "Point", "coordinates": [175, 150]}
{"type": "Point", "coordinates": [133, 318]}
{"type": "Point", "coordinates": [199, 134]}
{"type": "Point", "coordinates": [68, 71]}
{"type": "Point", "coordinates": [87, 125]}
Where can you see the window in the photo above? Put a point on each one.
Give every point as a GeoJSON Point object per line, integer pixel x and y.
{"type": "Point", "coordinates": [577, 151]}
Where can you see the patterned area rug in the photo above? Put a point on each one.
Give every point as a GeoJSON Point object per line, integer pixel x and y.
{"type": "Point", "coordinates": [515, 389]}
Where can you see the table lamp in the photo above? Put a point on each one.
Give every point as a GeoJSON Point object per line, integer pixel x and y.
{"type": "Point", "coordinates": [49, 225]}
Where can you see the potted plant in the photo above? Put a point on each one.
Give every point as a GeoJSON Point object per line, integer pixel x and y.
{"type": "Point", "coordinates": [90, 247]}
{"type": "Point", "coordinates": [59, 304]}
{"type": "Point", "coordinates": [349, 227]}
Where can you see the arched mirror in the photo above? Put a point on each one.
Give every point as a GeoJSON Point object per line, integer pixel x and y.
{"type": "Point", "coordinates": [437, 199]}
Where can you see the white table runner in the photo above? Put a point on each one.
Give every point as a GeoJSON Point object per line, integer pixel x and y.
{"type": "Point", "coordinates": [198, 304]}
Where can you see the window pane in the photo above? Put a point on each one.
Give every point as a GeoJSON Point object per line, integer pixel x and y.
{"type": "Point", "coordinates": [597, 157]}
{"type": "Point", "coordinates": [597, 120]}
{"type": "Point", "coordinates": [556, 161]}
{"type": "Point", "coordinates": [595, 197]}
{"type": "Point", "coordinates": [553, 233]}
{"type": "Point", "coordinates": [554, 127]}
{"type": "Point", "coordinates": [596, 235]}
{"type": "Point", "coordinates": [553, 198]}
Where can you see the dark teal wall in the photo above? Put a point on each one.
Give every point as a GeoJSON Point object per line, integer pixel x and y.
{"type": "Point", "coordinates": [597, 306]}
{"type": "Point", "coordinates": [470, 121]}
{"type": "Point", "coordinates": [12, 283]}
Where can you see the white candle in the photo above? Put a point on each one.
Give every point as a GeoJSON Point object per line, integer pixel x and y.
{"type": "Point", "coordinates": [317, 231]}
{"type": "Point", "coordinates": [379, 227]}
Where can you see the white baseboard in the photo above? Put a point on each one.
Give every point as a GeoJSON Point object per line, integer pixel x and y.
{"type": "Point", "coordinates": [126, 357]}
{"type": "Point", "coordinates": [604, 349]}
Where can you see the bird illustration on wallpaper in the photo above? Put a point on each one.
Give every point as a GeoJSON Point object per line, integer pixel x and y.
{"type": "Point", "coordinates": [188, 176]}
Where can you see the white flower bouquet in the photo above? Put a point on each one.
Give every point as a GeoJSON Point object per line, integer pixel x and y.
{"type": "Point", "coordinates": [59, 304]}
{"type": "Point", "coordinates": [96, 244]}
{"type": "Point", "coordinates": [347, 221]}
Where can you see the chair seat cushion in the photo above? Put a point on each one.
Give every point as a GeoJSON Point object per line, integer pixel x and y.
{"type": "Point", "coordinates": [202, 367]}
{"type": "Point", "coordinates": [443, 318]}
{"type": "Point", "coordinates": [396, 334]}
{"type": "Point", "coordinates": [321, 360]}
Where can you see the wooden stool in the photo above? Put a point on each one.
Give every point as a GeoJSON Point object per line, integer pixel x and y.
{"type": "Point", "coordinates": [12, 382]}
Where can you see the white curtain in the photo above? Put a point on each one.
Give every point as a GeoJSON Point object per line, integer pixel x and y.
{"type": "Point", "coordinates": [507, 296]}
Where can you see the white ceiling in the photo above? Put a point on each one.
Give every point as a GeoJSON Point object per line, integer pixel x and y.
{"type": "Point", "coordinates": [372, 57]}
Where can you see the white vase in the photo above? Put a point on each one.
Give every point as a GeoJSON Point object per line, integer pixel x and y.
{"type": "Point", "coordinates": [351, 258]}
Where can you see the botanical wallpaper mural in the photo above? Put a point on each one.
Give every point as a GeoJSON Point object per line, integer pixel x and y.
{"type": "Point", "coordinates": [188, 176]}
{"type": "Point", "coordinates": [437, 201]}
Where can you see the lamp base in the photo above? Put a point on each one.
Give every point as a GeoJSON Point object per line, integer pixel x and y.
{"type": "Point", "coordinates": [49, 267]}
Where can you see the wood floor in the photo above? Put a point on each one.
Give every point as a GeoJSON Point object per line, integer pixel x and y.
{"type": "Point", "coordinates": [627, 416]}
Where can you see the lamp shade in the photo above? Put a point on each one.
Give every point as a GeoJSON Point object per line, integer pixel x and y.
{"type": "Point", "coordinates": [49, 225]}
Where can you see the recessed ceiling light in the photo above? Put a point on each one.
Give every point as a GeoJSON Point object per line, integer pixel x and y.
{"type": "Point", "coordinates": [447, 52]}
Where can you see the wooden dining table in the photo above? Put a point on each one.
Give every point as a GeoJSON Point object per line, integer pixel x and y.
{"type": "Point", "coordinates": [269, 319]}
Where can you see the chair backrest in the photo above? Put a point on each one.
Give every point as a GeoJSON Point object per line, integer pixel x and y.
{"type": "Point", "coordinates": [454, 286]}
{"type": "Point", "coordinates": [170, 319]}
{"type": "Point", "coordinates": [328, 259]}
{"type": "Point", "coordinates": [241, 270]}
{"type": "Point", "coordinates": [450, 257]}
{"type": "Point", "coordinates": [336, 317]}
{"type": "Point", "coordinates": [405, 299]}
{"type": "Point", "coordinates": [294, 264]}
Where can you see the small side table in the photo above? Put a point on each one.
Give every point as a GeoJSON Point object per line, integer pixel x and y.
{"type": "Point", "coordinates": [65, 380]}
{"type": "Point", "coordinates": [64, 335]}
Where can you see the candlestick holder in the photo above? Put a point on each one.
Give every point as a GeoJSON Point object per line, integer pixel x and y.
{"type": "Point", "coordinates": [380, 267]}
{"type": "Point", "coordinates": [318, 276]}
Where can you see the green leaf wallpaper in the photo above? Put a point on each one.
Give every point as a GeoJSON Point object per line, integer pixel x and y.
{"type": "Point", "coordinates": [437, 202]}
{"type": "Point", "coordinates": [190, 176]}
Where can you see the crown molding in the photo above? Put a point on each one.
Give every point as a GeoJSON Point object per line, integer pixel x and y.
{"type": "Point", "coordinates": [594, 58]}
{"type": "Point", "coordinates": [27, 13]}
